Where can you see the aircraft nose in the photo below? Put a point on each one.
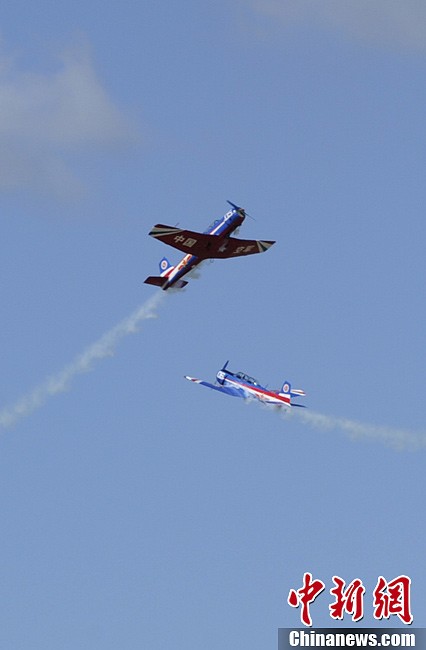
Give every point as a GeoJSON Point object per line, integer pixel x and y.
{"type": "Point", "coordinates": [241, 215]}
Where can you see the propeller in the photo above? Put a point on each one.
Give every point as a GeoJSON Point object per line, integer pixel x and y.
{"type": "Point", "coordinates": [236, 207]}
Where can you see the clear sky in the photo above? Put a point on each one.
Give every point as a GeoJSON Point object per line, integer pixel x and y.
{"type": "Point", "coordinates": [138, 510]}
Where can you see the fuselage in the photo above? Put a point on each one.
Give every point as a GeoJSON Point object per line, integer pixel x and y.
{"type": "Point", "coordinates": [222, 228]}
{"type": "Point", "coordinates": [252, 388]}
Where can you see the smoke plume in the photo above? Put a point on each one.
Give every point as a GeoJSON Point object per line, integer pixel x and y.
{"type": "Point", "coordinates": [102, 348]}
{"type": "Point", "coordinates": [397, 438]}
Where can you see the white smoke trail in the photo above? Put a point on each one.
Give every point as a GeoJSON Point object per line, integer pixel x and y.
{"type": "Point", "coordinates": [82, 363]}
{"type": "Point", "coordinates": [397, 438]}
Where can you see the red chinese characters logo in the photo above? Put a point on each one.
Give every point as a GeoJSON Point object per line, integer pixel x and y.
{"type": "Point", "coordinates": [349, 600]}
{"type": "Point", "coordinates": [305, 596]}
{"type": "Point", "coordinates": [389, 598]}
{"type": "Point", "coordinates": [393, 598]}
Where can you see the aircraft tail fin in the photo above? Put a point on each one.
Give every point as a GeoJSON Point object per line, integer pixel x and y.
{"type": "Point", "coordinates": [288, 391]}
{"type": "Point", "coordinates": [161, 280]}
{"type": "Point", "coordinates": [165, 267]}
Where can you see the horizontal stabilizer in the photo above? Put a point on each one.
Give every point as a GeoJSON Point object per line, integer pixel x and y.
{"type": "Point", "coordinates": [179, 284]}
{"type": "Point", "coordinates": [156, 280]}
{"type": "Point", "coordinates": [159, 281]}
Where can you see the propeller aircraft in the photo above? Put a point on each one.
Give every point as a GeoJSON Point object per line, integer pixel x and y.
{"type": "Point", "coordinates": [213, 243]}
{"type": "Point", "coordinates": [238, 384]}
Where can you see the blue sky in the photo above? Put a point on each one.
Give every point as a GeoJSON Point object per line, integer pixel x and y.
{"type": "Point", "coordinates": [139, 510]}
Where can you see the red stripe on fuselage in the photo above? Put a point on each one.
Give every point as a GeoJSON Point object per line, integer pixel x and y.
{"type": "Point", "coordinates": [261, 391]}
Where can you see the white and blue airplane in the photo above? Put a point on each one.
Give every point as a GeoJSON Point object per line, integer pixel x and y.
{"type": "Point", "coordinates": [213, 243]}
{"type": "Point", "coordinates": [238, 384]}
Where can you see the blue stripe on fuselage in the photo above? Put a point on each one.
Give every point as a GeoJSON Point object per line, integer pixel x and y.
{"type": "Point", "coordinates": [226, 225]}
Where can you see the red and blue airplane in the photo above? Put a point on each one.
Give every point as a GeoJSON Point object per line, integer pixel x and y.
{"type": "Point", "coordinates": [213, 243]}
{"type": "Point", "coordinates": [238, 384]}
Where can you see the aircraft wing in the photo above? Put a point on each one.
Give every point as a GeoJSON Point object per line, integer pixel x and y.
{"type": "Point", "coordinates": [194, 243]}
{"type": "Point", "coordinates": [235, 392]}
{"type": "Point", "coordinates": [207, 246]}
{"type": "Point", "coordinates": [233, 247]}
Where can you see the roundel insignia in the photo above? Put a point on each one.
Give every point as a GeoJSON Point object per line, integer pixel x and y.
{"type": "Point", "coordinates": [286, 388]}
{"type": "Point", "coordinates": [163, 265]}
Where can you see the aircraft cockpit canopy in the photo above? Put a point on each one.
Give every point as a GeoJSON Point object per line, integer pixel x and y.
{"type": "Point", "coordinates": [246, 378]}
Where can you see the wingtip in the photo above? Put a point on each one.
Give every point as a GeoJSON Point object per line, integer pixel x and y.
{"type": "Point", "coordinates": [264, 245]}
